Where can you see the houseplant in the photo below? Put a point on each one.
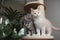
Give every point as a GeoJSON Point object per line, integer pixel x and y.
{"type": "Point", "coordinates": [14, 17]}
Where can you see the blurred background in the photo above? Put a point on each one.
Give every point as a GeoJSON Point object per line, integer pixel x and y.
{"type": "Point", "coordinates": [52, 11]}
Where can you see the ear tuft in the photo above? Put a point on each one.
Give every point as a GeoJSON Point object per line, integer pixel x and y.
{"type": "Point", "coordinates": [32, 9]}
{"type": "Point", "coordinates": [38, 7]}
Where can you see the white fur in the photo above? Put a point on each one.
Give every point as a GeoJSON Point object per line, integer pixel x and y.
{"type": "Point", "coordinates": [41, 22]}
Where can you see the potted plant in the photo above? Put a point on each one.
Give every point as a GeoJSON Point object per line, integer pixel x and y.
{"type": "Point", "coordinates": [14, 17]}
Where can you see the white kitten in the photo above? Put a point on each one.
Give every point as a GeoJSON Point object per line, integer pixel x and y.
{"type": "Point", "coordinates": [41, 22]}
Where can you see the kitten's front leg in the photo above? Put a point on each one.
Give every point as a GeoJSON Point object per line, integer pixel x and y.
{"type": "Point", "coordinates": [49, 30]}
{"type": "Point", "coordinates": [43, 31]}
{"type": "Point", "coordinates": [29, 33]}
{"type": "Point", "coordinates": [38, 31]}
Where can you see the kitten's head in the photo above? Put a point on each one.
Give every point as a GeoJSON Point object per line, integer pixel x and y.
{"type": "Point", "coordinates": [35, 12]}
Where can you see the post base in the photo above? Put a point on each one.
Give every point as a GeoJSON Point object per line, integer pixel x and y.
{"type": "Point", "coordinates": [38, 38]}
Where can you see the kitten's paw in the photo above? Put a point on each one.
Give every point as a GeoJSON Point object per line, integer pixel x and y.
{"type": "Point", "coordinates": [28, 34]}
{"type": "Point", "coordinates": [33, 34]}
{"type": "Point", "coordinates": [43, 35]}
{"type": "Point", "coordinates": [38, 34]}
{"type": "Point", "coordinates": [48, 35]}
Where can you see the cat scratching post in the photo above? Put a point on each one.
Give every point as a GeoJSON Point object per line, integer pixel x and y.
{"type": "Point", "coordinates": [34, 5]}
{"type": "Point", "coordinates": [38, 38]}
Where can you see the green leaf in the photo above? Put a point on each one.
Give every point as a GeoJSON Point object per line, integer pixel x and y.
{"type": "Point", "coordinates": [1, 34]}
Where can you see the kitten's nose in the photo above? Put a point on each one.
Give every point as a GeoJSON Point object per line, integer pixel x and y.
{"type": "Point", "coordinates": [34, 13]}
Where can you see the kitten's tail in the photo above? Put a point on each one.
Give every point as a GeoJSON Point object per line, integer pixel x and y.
{"type": "Point", "coordinates": [55, 28]}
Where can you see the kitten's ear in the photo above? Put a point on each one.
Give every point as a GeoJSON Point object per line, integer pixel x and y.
{"type": "Point", "coordinates": [32, 9]}
{"type": "Point", "coordinates": [38, 7]}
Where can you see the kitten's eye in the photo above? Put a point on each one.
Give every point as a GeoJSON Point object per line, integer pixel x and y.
{"type": "Point", "coordinates": [38, 12]}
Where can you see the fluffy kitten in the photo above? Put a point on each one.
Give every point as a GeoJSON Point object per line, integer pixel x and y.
{"type": "Point", "coordinates": [41, 22]}
{"type": "Point", "coordinates": [28, 24]}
